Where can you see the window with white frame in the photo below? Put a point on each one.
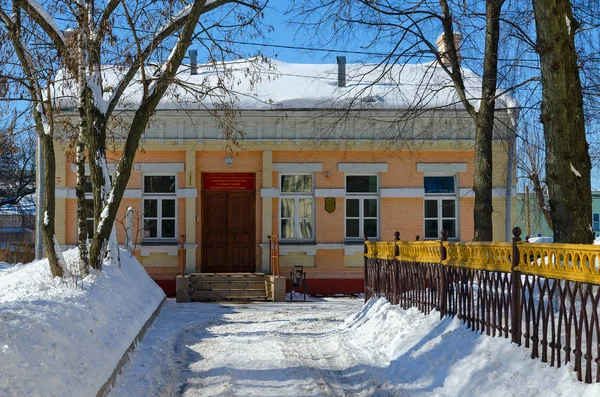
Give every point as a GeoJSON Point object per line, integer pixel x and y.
{"type": "Point", "coordinates": [297, 207]}
{"type": "Point", "coordinates": [440, 206]}
{"type": "Point", "coordinates": [89, 217]}
{"type": "Point", "coordinates": [89, 205]}
{"type": "Point", "coordinates": [596, 221]}
{"type": "Point", "coordinates": [160, 209]}
{"type": "Point", "coordinates": [362, 206]}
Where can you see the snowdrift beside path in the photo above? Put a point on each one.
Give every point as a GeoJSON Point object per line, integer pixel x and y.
{"type": "Point", "coordinates": [60, 340]}
{"type": "Point", "coordinates": [414, 354]}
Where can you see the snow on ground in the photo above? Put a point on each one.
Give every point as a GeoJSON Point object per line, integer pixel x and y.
{"type": "Point", "coordinates": [60, 340]}
{"type": "Point", "coordinates": [330, 347]}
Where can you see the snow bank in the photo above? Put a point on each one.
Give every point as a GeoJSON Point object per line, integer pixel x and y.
{"type": "Point", "coordinates": [415, 354]}
{"type": "Point", "coordinates": [60, 340]}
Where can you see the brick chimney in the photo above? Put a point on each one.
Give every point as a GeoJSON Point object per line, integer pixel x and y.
{"type": "Point", "coordinates": [441, 44]}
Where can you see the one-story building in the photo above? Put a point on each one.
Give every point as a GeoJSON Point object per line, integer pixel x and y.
{"type": "Point", "coordinates": [317, 154]}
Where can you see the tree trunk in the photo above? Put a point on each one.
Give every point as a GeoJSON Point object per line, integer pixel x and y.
{"type": "Point", "coordinates": [48, 231]}
{"type": "Point", "coordinates": [101, 187]}
{"type": "Point", "coordinates": [82, 233]}
{"type": "Point", "coordinates": [567, 159]}
{"type": "Point", "coordinates": [484, 132]}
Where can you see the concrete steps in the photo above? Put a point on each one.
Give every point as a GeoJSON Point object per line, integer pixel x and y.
{"type": "Point", "coordinates": [229, 286]}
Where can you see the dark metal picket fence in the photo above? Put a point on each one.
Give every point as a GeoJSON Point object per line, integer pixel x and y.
{"type": "Point", "coordinates": [543, 296]}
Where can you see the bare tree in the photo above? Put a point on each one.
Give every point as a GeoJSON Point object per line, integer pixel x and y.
{"type": "Point", "coordinates": [568, 164]}
{"type": "Point", "coordinates": [407, 27]}
{"type": "Point", "coordinates": [17, 163]}
{"type": "Point", "coordinates": [127, 40]}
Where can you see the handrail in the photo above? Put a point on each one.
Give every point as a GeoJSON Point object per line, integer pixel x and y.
{"type": "Point", "coordinates": [274, 246]}
{"type": "Point", "coordinates": [573, 262]}
{"type": "Point", "coordinates": [181, 254]}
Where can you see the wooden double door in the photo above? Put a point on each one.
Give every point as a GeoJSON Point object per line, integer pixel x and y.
{"type": "Point", "coordinates": [228, 232]}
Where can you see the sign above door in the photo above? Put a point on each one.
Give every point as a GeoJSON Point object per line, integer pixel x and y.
{"type": "Point", "coordinates": [227, 181]}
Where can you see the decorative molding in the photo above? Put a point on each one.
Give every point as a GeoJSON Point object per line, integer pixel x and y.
{"type": "Point", "coordinates": [112, 167]}
{"type": "Point", "coordinates": [442, 168]}
{"type": "Point", "coordinates": [64, 192]}
{"type": "Point", "coordinates": [297, 167]}
{"type": "Point", "coordinates": [159, 167]}
{"type": "Point", "coordinates": [132, 193]}
{"type": "Point", "coordinates": [466, 192]}
{"type": "Point", "coordinates": [353, 249]}
{"type": "Point", "coordinates": [497, 192]}
{"type": "Point", "coordinates": [330, 246]}
{"type": "Point", "coordinates": [362, 167]}
{"type": "Point", "coordinates": [69, 192]}
{"type": "Point", "coordinates": [403, 192]}
{"type": "Point", "coordinates": [140, 167]}
{"type": "Point", "coordinates": [311, 249]}
{"type": "Point", "coordinates": [188, 192]}
{"type": "Point", "coordinates": [308, 249]}
{"type": "Point", "coordinates": [147, 250]}
{"type": "Point", "coordinates": [330, 192]}
{"type": "Point", "coordinates": [266, 192]}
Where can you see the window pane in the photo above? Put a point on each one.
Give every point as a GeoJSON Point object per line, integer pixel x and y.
{"type": "Point", "coordinates": [305, 228]}
{"type": "Point", "coordinates": [296, 183]}
{"type": "Point", "coordinates": [305, 208]}
{"type": "Point", "coordinates": [448, 209]}
{"type": "Point", "coordinates": [150, 229]}
{"type": "Point", "coordinates": [352, 207]}
{"type": "Point", "coordinates": [371, 227]}
{"type": "Point", "coordinates": [361, 183]}
{"type": "Point", "coordinates": [150, 208]}
{"type": "Point", "coordinates": [431, 208]}
{"type": "Point", "coordinates": [450, 226]}
{"type": "Point", "coordinates": [287, 208]}
{"type": "Point", "coordinates": [596, 217]}
{"type": "Point", "coordinates": [287, 228]}
{"type": "Point", "coordinates": [168, 228]}
{"type": "Point", "coordinates": [431, 228]}
{"type": "Point", "coordinates": [87, 184]}
{"type": "Point", "coordinates": [168, 209]}
{"type": "Point", "coordinates": [159, 184]}
{"type": "Point", "coordinates": [89, 209]}
{"type": "Point", "coordinates": [370, 210]}
{"type": "Point", "coordinates": [90, 227]}
{"type": "Point", "coordinates": [439, 184]}
{"type": "Point", "coordinates": [352, 228]}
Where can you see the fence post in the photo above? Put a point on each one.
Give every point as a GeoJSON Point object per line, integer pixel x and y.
{"type": "Point", "coordinates": [395, 271]}
{"type": "Point", "coordinates": [366, 276]}
{"type": "Point", "coordinates": [443, 288]}
{"type": "Point", "coordinates": [515, 280]}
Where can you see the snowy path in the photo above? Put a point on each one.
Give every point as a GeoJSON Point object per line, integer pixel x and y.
{"type": "Point", "coordinates": [246, 349]}
{"type": "Point", "coordinates": [330, 347]}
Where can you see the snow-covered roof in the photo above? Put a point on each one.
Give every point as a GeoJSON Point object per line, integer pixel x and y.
{"type": "Point", "coordinates": [273, 84]}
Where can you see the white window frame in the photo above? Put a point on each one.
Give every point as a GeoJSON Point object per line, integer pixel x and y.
{"type": "Point", "coordinates": [361, 196]}
{"type": "Point", "coordinates": [297, 195]}
{"type": "Point", "coordinates": [440, 197]}
{"type": "Point", "coordinates": [159, 197]}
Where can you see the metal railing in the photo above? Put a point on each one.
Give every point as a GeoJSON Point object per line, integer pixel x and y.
{"type": "Point", "coordinates": [274, 256]}
{"type": "Point", "coordinates": [543, 296]}
{"type": "Point", "coordinates": [181, 254]}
